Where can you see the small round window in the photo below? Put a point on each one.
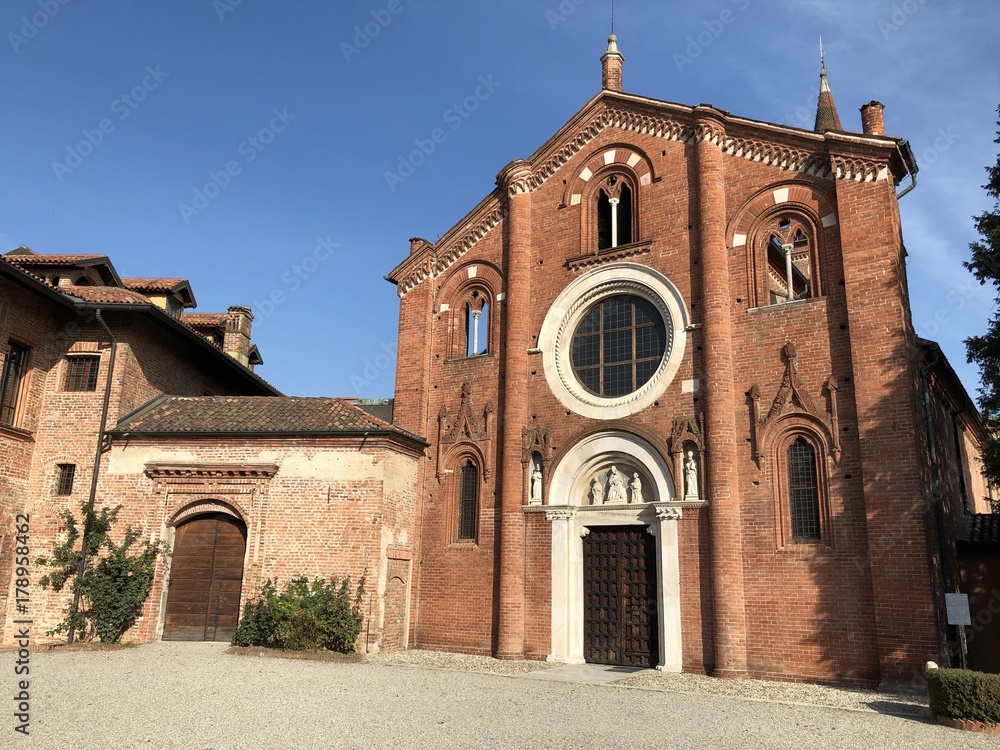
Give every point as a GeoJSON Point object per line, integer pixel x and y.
{"type": "Point", "coordinates": [618, 345]}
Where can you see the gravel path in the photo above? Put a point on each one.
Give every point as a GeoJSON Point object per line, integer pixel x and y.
{"type": "Point", "coordinates": [461, 662]}
{"type": "Point", "coordinates": [191, 695]}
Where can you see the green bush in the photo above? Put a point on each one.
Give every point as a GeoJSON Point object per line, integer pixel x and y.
{"type": "Point", "coordinates": [964, 694]}
{"type": "Point", "coordinates": [114, 586]}
{"type": "Point", "coordinates": [305, 616]}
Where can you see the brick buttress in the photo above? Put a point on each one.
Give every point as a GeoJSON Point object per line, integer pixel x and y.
{"type": "Point", "coordinates": [723, 479]}
{"type": "Point", "coordinates": [517, 303]}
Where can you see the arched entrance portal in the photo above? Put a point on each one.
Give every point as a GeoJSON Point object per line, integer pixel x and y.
{"type": "Point", "coordinates": [206, 577]}
{"type": "Point", "coordinates": [615, 562]}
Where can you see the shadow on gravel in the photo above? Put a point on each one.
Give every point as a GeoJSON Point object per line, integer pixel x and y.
{"type": "Point", "coordinates": [904, 710]}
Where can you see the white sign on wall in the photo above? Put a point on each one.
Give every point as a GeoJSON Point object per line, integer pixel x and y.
{"type": "Point", "coordinates": [958, 609]}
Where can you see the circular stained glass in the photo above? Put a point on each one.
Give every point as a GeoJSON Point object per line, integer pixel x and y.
{"type": "Point", "coordinates": [618, 345]}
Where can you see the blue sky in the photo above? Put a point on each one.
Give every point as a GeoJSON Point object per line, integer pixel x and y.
{"type": "Point", "coordinates": [249, 146]}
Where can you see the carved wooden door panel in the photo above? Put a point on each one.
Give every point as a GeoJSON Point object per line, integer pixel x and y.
{"type": "Point", "coordinates": [206, 576]}
{"type": "Point", "coordinates": [619, 597]}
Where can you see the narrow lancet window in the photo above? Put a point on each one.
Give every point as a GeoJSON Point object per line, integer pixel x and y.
{"type": "Point", "coordinates": [803, 490]}
{"type": "Point", "coordinates": [468, 501]}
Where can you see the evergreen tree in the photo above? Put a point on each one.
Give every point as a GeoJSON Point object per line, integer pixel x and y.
{"type": "Point", "coordinates": [985, 350]}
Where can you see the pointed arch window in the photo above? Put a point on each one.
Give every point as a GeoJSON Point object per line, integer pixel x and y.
{"type": "Point", "coordinates": [468, 501]}
{"type": "Point", "coordinates": [791, 262]}
{"type": "Point", "coordinates": [803, 490]}
{"type": "Point", "coordinates": [477, 325]}
{"type": "Point", "coordinates": [614, 213]}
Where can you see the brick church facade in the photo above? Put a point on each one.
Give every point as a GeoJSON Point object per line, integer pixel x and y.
{"type": "Point", "coordinates": [675, 404]}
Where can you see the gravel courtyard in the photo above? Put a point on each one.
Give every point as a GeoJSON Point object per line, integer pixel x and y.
{"type": "Point", "coordinates": [191, 695]}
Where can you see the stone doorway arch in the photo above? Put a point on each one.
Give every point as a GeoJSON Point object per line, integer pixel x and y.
{"type": "Point", "coordinates": [574, 512]}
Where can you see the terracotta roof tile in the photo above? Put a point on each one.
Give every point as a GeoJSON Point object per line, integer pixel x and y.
{"type": "Point", "coordinates": [256, 414]}
{"type": "Point", "coordinates": [52, 260]}
{"type": "Point", "coordinates": [104, 294]}
{"type": "Point", "coordinates": [153, 285]}
{"type": "Point", "coordinates": [204, 320]}
{"type": "Point", "coordinates": [980, 533]}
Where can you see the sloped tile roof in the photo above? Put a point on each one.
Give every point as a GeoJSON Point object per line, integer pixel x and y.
{"type": "Point", "coordinates": [153, 285]}
{"type": "Point", "coordinates": [255, 414]}
{"type": "Point", "coordinates": [104, 294]}
{"type": "Point", "coordinates": [980, 532]}
{"type": "Point", "coordinates": [204, 320]}
{"type": "Point", "coordinates": [53, 260]}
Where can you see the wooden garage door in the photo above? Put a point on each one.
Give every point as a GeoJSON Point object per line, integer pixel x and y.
{"type": "Point", "coordinates": [619, 597]}
{"type": "Point", "coordinates": [206, 576]}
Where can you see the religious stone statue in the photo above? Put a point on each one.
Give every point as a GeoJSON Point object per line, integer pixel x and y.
{"type": "Point", "coordinates": [636, 485]}
{"type": "Point", "coordinates": [536, 484]}
{"type": "Point", "coordinates": [596, 491]}
{"type": "Point", "coordinates": [616, 487]}
{"type": "Point", "coordinates": [690, 476]}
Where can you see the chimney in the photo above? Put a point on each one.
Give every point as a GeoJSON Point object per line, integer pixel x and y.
{"type": "Point", "coordinates": [872, 119]}
{"type": "Point", "coordinates": [611, 66]}
{"type": "Point", "coordinates": [236, 342]}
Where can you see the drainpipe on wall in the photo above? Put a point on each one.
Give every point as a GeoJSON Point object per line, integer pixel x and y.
{"type": "Point", "coordinates": [959, 454]}
{"type": "Point", "coordinates": [911, 165]}
{"type": "Point", "coordinates": [97, 465]}
{"type": "Point", "coordinates": [938, 499]}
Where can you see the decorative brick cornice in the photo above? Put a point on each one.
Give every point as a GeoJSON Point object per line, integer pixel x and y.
{"type": "Point", "coordinates": [521, 177]}
{"type": "Point", "coordinates": [210, 471]}
{"type": "Point", "coordinates": [515, 178]}
{"type": "Point", "coordinates": [709, 131]}
{"type": "Point", "coordinates": [778, 155]}
{"type": "Point", "coordinates": [609, 256]}
{"type": "Point", "coordinates": [436, 263]}
{"type": "Point", "coordinates": [444, 259]}
{"type": "Point", "coordinates": [859, 170]}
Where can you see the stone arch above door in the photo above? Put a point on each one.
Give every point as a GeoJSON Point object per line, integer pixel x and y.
{"type": "Point", "coordinates": [595, 454]}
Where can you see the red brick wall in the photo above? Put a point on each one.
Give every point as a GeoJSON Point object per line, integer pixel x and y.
{"type": "Point", "coordinates": [329, 510]}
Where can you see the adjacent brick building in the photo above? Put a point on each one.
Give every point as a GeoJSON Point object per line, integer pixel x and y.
{"type": "Point", "coordinates": [197, 450]}
{"type": "Point", "coordinates": [676, 405]}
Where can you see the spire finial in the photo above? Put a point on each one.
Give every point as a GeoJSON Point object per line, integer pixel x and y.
{"type": "Point", "coordinates": [612, 17]}
{"type": "Point", "coordinates": [826, 111]}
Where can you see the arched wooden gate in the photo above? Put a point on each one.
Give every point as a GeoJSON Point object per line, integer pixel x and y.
{"type": "Point", "coordinates": [206, 577]}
